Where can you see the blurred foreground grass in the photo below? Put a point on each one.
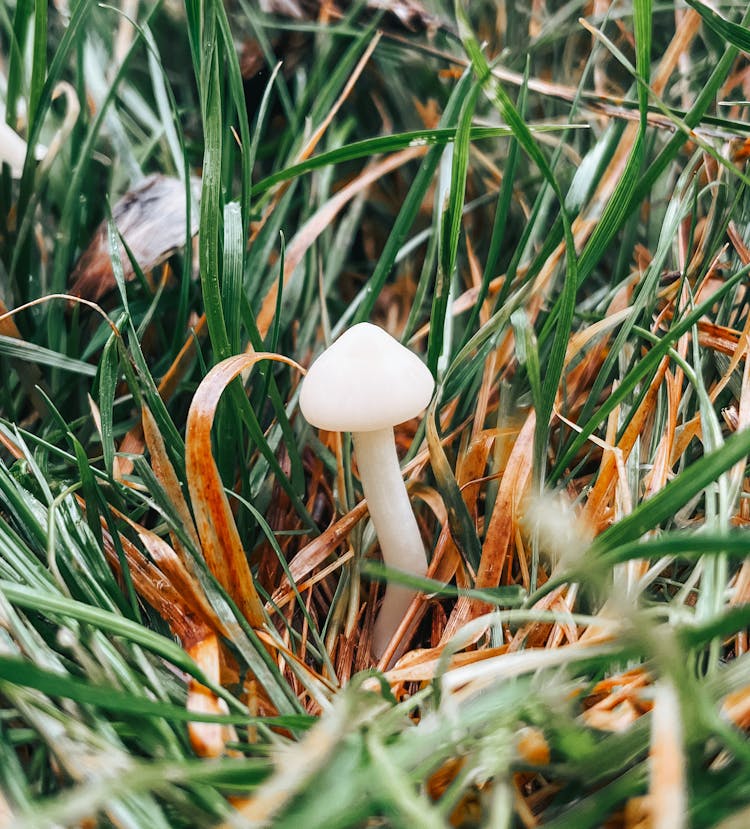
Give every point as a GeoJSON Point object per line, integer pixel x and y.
{"type": "Point", "coordinates": [549, 204]}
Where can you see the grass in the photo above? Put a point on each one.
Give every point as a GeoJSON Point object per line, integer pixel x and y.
{"type": "Point", "coordinates": [549, 205]}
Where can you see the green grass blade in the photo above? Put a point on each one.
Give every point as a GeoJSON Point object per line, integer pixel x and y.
{"type": "Point", "coordinates": [664, 504]}
{"type": "Point", "coordinates": [737, 35]}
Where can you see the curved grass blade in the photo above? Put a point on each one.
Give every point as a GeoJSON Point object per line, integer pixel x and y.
{"type": "Point", "coordinates": [220, 539]}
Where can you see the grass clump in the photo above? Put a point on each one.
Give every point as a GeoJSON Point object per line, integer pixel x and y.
{"type": "Point", "coordinates": [548, 205]}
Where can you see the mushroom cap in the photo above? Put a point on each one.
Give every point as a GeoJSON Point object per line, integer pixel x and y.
{"type": "Point", "coordinates": [365, 381]}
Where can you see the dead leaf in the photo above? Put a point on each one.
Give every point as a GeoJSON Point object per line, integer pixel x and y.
{"type": "Point", "coordinates": [151, 220]}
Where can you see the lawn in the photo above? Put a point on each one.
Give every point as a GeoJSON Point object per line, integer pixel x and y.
{"type": "Point", "coordinates": [545, 205]}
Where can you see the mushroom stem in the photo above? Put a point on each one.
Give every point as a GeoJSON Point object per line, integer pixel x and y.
{"type": "Point", "coordinates": [395, 525]}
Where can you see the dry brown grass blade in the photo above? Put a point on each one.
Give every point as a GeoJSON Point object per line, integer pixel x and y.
{"type": "Point", "coordinates": [468, 680]}
{"type": "Point", "coordinates": [609, 106]}
{"type": "Point", "coordinates": [207, 739]}
{"type": "Point", "coordinates": [737, 346]}
{"type": "Point", "coordinates": [504, 518]}
{"type": "Point", "coordinates": [564, 630]}
{"type": "Point", "coordinates": [156, 589]}
{"type": "Point", "coordinates": [718, 338]}
{"type": "Point", "coordinates": [12, 448]}
{"type": "Point", "coordinates": [463, 302]}
{"type": "Point", "coordinates": [314, 139]}
{"type": "Point", "coordinates": [168, 585]}
{"type": "Point", "coordinates": [617, 701]}
{"type": "Point", "coordinates": [167, 477]}
{"type": "Point", "coordinates": [194, 600]}
{"type": "Point", "coordinates": [738, 243]}
{"type": "Point", "coordinates": [502, 527]}
{"type": "Point", "coordinates": [220, 540]}
{"type": "Point", "coordinates": [323, 686]}
{"type": "Point", "coordinates": [488, 384]}
{"type": "Point", "coordinates": [736, 707]}
{"type": "Point", "coordinates": [667, 778]}
{"type": "Point", "coordinates": [181, 363]}
{"type": "Point", "coordinates": [741, 596]}
{"type": "Point", "coordinates": [469, 475]}
{"type": "Point", "coordinates": [743, 420]}
{"type": "Point", "coordinates": [8, 327]}
{"type": "Point", "coordinates": [285, 593]}
{"type": "Point", "coordinates": [581, 375]}
{"type": "Point", "coordinates": [322, 218]}
{"type": "Point", "coordinates": [657, 476]}
{"type": "Point", "coordinates": [582, 338]}
{"type": "Point", "coordinates": [6, 315]}
{"type": "Point", "coordinates": [597, 504]}
{"type": "Point", "coordinates": [421, 665]}
{"type": "Point", "coordinates": [132, 443]}
{"type": "Point", "coordinates": [318, 550]}
{"type": "Point", "coordinates": [535, 634]}
{"type": "Point", "coordinates": [685, 434]}
{"type": "Point", "coordinates": [692, 428]}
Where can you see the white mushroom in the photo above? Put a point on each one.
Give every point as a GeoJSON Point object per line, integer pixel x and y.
{"type": "Point", "coordinates": [366, 383]}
